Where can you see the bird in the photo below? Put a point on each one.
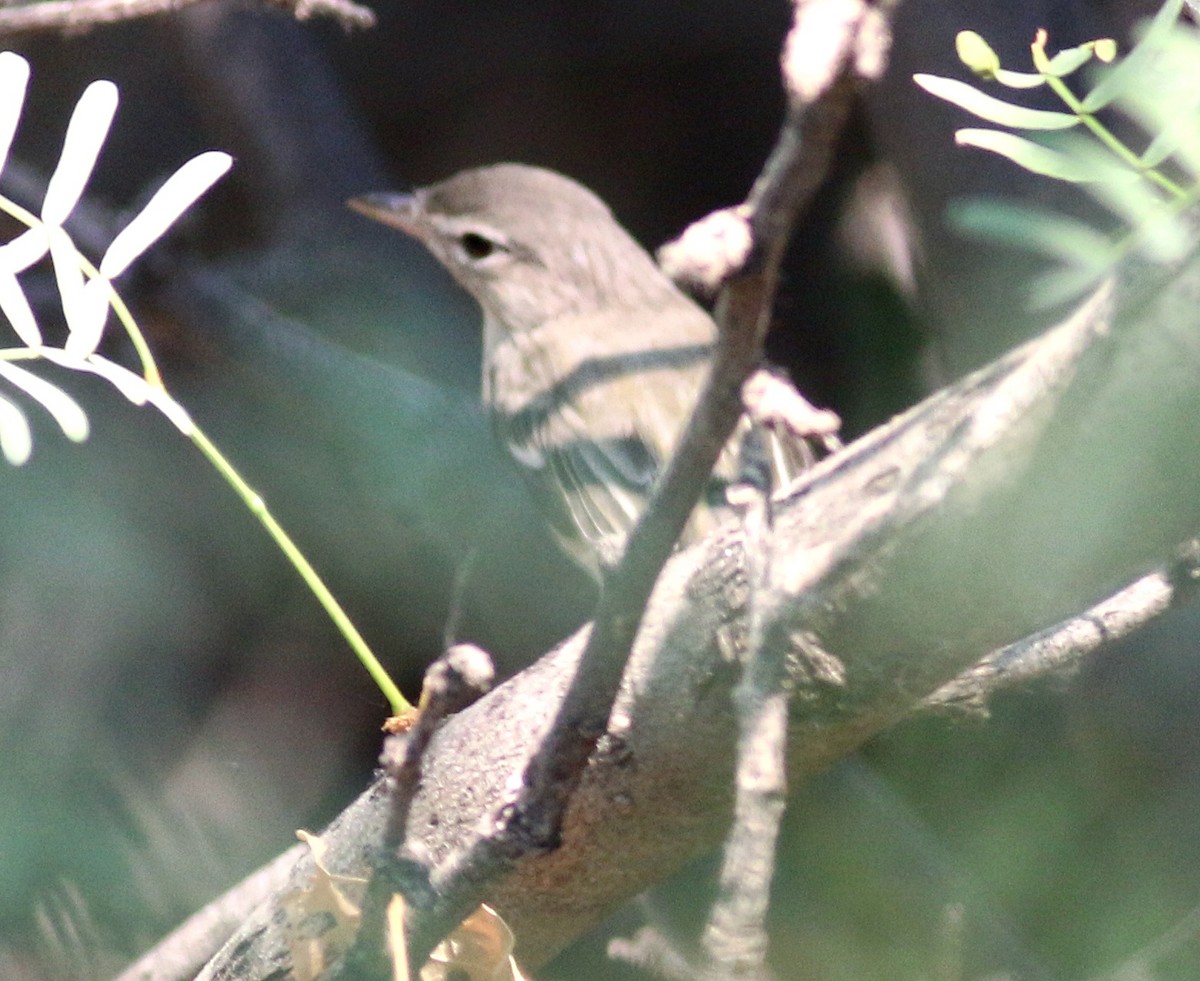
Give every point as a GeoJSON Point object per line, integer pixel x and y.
{"type": "Point", "coordinates": [592, 357]}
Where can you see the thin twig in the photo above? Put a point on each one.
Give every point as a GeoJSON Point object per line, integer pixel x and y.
{"type": "Point", "coordinates": [1060, 649]}
{"type": "Point", "coordinates": [75, 15]}
{"type": "Point", "coordinates": [459, 677]}
{"type": "Point", "coordinates": [735, 938]}
{"type": "Point", "coordinates": [531, 822]}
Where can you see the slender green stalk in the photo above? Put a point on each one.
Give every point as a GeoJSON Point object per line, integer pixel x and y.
{"type": "Point", "coordinates": [1042, 63]}
{"type": "Point", "coordinates": [399, 704]}
{"type": "Point", "coordinates": [153, 377]}
{"type": "Point", "coordinates": [1106, 136]}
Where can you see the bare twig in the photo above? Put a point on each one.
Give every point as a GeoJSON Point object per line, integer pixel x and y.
{"type": "Point", "coordinates": [532, 820]}
{"type": "Point", "coordinates": [735, 938]}
{"type": "Point", "coordinates": [76, 15]}
{"type": "Point", "coordinates": [1060, 649]}
{"type": "Point", "coordinates": [819, 89]}
{"type": "Point", "coordinates": [653, 953]}
{"type": "Point", "coordinates": [456, 679]}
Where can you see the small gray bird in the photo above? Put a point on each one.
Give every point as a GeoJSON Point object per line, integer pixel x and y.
{"type": "Point", "coordinates": [592, 358]}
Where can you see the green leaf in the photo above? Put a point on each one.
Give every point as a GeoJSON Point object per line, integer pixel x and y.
{"type": "Point", "coordinates": [1034, 157]}
{"type": "Point", "coordinates": [1142, 206]}
{"type": "Point", "coordinates": [1065, 62]}
{"type": "Point", "coordinates": [1179, 140]}
{"type": "Point", "coordinates": [16, 441]}
{"type": "Point", "coordinates": [1062, 285]}
{"type": "Point", "coordinates": [1169, 104]}
{"type": "Point", "coordinates": [1066, 239]}
{"type": "Point", "coordinates": [1129, 72]}
{"type": "Point", "coordinates": [991, 109]}
{"type": "Point", "coordinates": [1019, 80]}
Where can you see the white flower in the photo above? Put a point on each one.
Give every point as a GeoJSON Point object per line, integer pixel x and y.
{"type": "Point", "coordinates": [86, 291]}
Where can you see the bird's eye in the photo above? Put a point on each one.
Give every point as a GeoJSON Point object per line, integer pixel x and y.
{"type": "Point", "coordinates": [477, 247]}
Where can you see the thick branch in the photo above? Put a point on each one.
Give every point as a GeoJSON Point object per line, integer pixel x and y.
{"type": "Point", "coordinates": [981, 515]}
{"type": "Point", "coordinates": [530, 821]}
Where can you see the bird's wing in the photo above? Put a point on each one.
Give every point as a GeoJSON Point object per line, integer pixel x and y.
{"type": "Point", "coordinates": [591, 409]}
{"type": "Point", "coordinates": [593, 442]}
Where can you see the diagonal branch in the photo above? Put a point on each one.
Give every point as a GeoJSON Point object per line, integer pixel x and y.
{"type": "Point", "coordinates": [531, 821]}
{"type": "Point", "coordinates": [75, 15]}
{"type": "Point", "coordinates": [981, 515]}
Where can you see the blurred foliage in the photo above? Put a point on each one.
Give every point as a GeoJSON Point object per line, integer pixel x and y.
{"type": "Point", "coordinates": [172, 705]}
{"type": "Point", "coordinates": [1157, 84]}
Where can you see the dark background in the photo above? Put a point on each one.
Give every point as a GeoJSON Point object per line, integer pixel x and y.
{"type": "Point", "coordinates": [173, 704]}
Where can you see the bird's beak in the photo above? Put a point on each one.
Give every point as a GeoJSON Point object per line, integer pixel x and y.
{"type": "Point", "coordinates": [402, 211]}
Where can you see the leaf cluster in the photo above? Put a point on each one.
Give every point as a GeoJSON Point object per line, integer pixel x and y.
{"type": "Point", "coordinates": [1150, 190]}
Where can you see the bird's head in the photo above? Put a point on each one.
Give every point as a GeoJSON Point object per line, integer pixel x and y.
{"type": "Point", "coordinates": [528, 243]}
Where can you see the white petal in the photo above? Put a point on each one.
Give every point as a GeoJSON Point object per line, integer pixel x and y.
{"type": "Point", "coordinates": [66, 411]}
{"type": "Point", "coordinates": [85, 136]}
{"type": "Point", "coordinates": [16, 441]}
{"type": "Point", "coordinates": [23, 251]}
{"type": "Point", "coordinates": [15, 306]}
{"type": "Point", "coordinates": [170, 201]}
{"type": "Point", "coordinates": [90, 315]}
{"type": "Point", "coordinates": [14, 76]}
{"type": "Point", "coordinates": [133, 386]}
{"type": "Point", "coordinates": [176, 414]}
{"type": "Point", "coordinates": [67, 273]}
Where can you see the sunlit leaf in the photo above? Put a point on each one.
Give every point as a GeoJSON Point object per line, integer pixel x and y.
{"type": "Point", "coordinates": [85, 136]}
{"type": "Point", "coordinates": [16, 441]}
{"type": "Point", "coordinates": [132, 386]}
{"type": "Point", "coordinates": [991, 109]}
{"type": "Point", "coordinates": [1032, 156]}
{"type": "Point", "coordinates": [321, 917]}
{"type": "Point", "coordinates": [62, 408]}
{"type": "Point", "coordinates": [179, 193]}
{"type": "Point", "coordinates": [67, 273]}
{"type": "Point", "coordinates": [1128, 73]}
{"type": "Point", "coordinates": [1057, 236]}
{"type": "Point", "coordinates": [478, 949]}
{"type": "Point", "coordinates": [1019, 80]}
{"type": "Point", "coordinates": [88, 317]}
{"type": "Point", "coordinates": [976, 54]}
{"type": "Point", "coordinates": [20, 253]}
{"type": "Point", "coordinates": [15, 306]}
{"type": "Point", "coordinates": [14, 77]}
{"type": "Point", "coordinates": [397, 940]}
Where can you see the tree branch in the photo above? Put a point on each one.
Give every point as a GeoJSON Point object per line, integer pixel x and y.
{"type": "Point", "coordinates": [77, 15]}
{"type": "Point", "coordinates": [982, 514]}
{"type": "Point", "coordinates": [530, 821]}
{"type": "Point", "coordinates": [1060, 649]}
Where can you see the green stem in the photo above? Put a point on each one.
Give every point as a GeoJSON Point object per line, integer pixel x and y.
{"type": "Point", "coordinates": [399, 704]}
{"type": "Point", "coordinates": [1105, 136]}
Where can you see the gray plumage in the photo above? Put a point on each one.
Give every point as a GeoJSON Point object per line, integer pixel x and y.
{"type": "Point", "coordinates": [592, 358]}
